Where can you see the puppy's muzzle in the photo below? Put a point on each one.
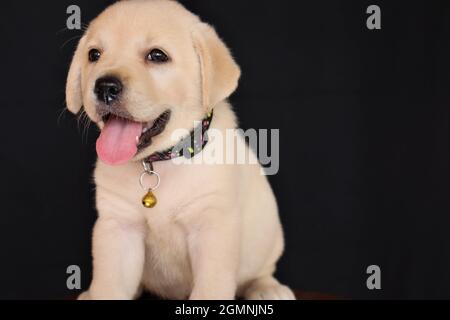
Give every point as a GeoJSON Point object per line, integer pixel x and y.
{"type": "Point", "coordinates": [108, 89]}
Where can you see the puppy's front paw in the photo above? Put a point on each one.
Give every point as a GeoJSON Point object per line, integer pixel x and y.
{"type": "Point", "coordinates": [84, 296]}
{"type": "Point", "coordinates": [268, 289]}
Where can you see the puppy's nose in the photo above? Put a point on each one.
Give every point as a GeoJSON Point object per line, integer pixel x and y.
{"type": "Point", "coordinates": [108, 89]}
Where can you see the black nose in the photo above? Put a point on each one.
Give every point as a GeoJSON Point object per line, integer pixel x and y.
{"type": "Point", "coordinates": [108, 89]}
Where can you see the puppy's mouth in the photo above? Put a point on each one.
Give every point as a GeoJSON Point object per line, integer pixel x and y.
{"type": "Point", "coordinates": [123, 137]}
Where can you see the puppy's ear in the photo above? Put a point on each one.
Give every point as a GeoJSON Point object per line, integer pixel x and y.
{"type": "Point", "coordinates": [74, 99]}
{"type": "Point", "coordinates": [219, 72]}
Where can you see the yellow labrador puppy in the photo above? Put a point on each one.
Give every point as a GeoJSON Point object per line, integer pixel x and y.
{"type": "Point", "coordinates": [143, 70]}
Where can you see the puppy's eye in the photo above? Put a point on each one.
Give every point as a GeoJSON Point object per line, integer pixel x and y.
{"type": "Point", "coordinates": [158, 56]}
{"type": "Point", "coordinates": [94, 55]}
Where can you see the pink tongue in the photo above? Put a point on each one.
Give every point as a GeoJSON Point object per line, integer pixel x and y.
{"type": "Point", "coordinates": [117, 142]}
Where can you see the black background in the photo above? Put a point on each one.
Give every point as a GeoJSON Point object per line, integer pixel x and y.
{"type": "Point", "coordinates": [364, 125]}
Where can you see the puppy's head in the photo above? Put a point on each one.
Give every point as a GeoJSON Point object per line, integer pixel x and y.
{"type": "Point", "coordinates": [143, 69]}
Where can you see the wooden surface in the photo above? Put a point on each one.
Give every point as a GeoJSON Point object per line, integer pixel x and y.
{"type": "Point", "coordinates": [300, 295]}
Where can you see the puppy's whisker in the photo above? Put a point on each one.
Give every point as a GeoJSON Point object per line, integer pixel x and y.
{"type": "Point", "coordinates": [86, 122]}
{"type": "Point", "coordinates": [62, 30]}
{"type": "Point", "coordinates": [61, 113]}
{"type": "Point", "coordinates": [71, 39]}
{"type": "Point", "coordinates": [80, 119]}
{"type": "Point", "coordinates": [84, 27]}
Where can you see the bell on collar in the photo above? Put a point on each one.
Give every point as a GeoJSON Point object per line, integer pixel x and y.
{"type": "Point", "coordinates": [149, 200]}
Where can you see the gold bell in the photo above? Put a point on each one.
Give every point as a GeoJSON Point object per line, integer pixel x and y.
{"type": "Point", "coordinates": [149, 200]}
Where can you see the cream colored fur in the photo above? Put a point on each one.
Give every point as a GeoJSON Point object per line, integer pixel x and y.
{"type": "Point", "coordinates": [215, 233]}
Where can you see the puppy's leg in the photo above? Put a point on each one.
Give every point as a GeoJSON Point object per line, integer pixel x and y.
{"type": "Point", "coordinates": [214, 254]}
{"type": "Point", "coordinates": [268, 288]}
{"type": "Point", "coordinates": [118, 252]}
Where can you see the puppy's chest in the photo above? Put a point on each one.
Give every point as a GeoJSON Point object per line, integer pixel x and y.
{"type": "Point", "coordinates": [166, 241]}
{"type": "Point", "coordinates": [166, 236]}
{"type": "Point", "coordinates": [167, 263]}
